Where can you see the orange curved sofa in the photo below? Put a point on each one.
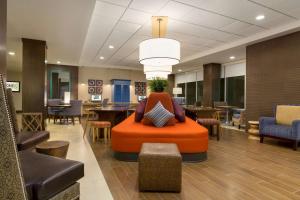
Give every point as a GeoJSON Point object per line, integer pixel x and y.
{"type": "Point", "coordinates": [190, 137]}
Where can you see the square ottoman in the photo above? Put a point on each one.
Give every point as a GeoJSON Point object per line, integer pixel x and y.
{"type": "Point", "coordinates": [160, 167]}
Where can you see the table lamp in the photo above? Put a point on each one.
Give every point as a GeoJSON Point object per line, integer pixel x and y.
{"type": "Point", "coordinates": [177, 90]}
{"type": "Point", "coordinates": [67, 97]}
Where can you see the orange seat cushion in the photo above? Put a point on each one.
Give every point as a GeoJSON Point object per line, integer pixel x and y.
{"type": "Point", "coordinates": [165, 100]}
{"type": "Point", "coordinates": [190, 137]}
{"type": "Point", "coordinates": [101, 124]}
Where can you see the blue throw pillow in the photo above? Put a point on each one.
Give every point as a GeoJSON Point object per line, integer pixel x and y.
{"type": "Point", "coordinates": [159, 116]}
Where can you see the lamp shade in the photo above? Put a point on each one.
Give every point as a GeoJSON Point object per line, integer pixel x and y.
{"type": "Point", "coordinates": [177, 90]}
{"type": "Point", "coordinates": [67, 97]}
{"type": "Point", "coordinates": [157, 72]}
{"type": "Point", "coordinates": [159, 52]}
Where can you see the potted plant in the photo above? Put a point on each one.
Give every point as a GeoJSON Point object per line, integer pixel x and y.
{"type": "Point", "coordinates": [158, 85]}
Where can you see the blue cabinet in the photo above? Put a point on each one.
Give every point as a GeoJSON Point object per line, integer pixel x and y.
{"type": "Point", "coordinates": [121, 91]}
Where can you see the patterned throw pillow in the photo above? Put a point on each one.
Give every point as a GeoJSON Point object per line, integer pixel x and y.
{"type": "Point", "coordinates": [159, 116]}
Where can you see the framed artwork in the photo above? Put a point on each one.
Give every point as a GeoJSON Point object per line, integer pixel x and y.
{"type": "Point", "coordinates": [91, 90]}
{"type": "Point", "coordinates": [140, 88]}
{"type": "Point", "coordinates": [13, 85]}
{"type": "Point", "coordinates": [99, 83]}
{"type": "Point", "coordinates": [91, 82]}
{"type": "Point", "coordinates": [95, 86]}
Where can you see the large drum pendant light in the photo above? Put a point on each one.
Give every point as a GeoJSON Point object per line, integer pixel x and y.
{"type": "Point", "coordinates": [159, 51]}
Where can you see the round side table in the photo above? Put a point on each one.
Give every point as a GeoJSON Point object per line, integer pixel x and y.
{"type": "Point", "coordinates": [53, 148]}
{"type": "Point", "coordinates": [253, 130]}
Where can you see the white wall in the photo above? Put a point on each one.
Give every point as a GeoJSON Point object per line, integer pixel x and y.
{"type": "Point", "coordinates": [106, 75]}
{"type": "Point", "coordinates": [17, 96]}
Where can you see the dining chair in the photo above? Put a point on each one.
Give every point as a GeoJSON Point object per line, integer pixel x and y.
{"type": "Point", "coordinates": [73, 111]}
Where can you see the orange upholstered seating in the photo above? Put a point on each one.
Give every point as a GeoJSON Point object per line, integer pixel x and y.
{"type": "Point", "coordinates": [129, 136]}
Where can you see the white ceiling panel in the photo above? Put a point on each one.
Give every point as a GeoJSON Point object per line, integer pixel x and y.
{"type": "Point", "coordinates": [201, 17]}
{"type": "Point", "coordinates": [242, 10]}
{"type": "Point", "coordinates": [289, 7]}
{"type": "Point", "coordinates": [175, 10]}
{"type": "Point", "coordinates": [135, 16]}
{"type": "Point", "coordinates": [149, 6]}
{"type": "Point", "coordinates": [117, 2]}
{"type": "Point", "coordinates": [78, 32]}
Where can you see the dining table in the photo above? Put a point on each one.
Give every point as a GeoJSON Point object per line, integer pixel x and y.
{"type": "Point", "coordinates": [227, 109]}
{"type": "Point", "coordinates": [195, 112]}
{"type": "Point", "coordinates": [114, 113]}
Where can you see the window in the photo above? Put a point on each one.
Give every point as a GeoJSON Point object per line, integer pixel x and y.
{"type": "Point", "coordinates": [190, 93]}
{"type": "Point", "coordinates": [199, 91]}
{"type": "Point", "coordinates": [235, 91]}
{"type": "Point", "coordinates": [222, 89]}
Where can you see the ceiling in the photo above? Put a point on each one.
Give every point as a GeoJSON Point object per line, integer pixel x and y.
{"type": "Point", "coordinates": [79, 32]}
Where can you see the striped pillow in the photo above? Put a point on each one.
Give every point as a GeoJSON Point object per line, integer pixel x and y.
{"type": "Point", "coordinates": [159, 116]}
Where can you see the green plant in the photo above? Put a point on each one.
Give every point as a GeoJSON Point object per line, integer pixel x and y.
{"type": "Point", "coordinates": [158, 85]}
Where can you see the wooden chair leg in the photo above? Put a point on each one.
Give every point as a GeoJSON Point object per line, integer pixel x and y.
{"type": "Point", "coordinates": [105, 135]}
{"type": "Point", "coordinates": [261, 139]}
{"type": "Point", "coordinates": [73, 120]}
{"type": "Point", "coordinates": [218, 132]}
{"type": "Point", "coordinates": [94, 134]}
{"type": "Point", "coordinates": [79, 119]}
{"type": "Point", "coordinates": [295, 145]}
{"type": "Point", "coordinates": [109, 133]}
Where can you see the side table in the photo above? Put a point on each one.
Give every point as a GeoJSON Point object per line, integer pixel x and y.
{"type": "Point", "coordinates": [253, 130]}
{"type": "Point", "coordinates": [53, 148]}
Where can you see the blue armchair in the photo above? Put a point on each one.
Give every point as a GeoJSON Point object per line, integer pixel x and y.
{"type": "Point", "coordinates": [286, 125]}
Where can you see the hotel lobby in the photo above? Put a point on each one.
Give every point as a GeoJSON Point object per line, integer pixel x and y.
{"type": "Point", "coordinates": [156, 100]}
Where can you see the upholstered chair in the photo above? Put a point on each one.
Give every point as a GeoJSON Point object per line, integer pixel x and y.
{"type": "Point", "coordinates": [24, 139]}
{"type": "Point", "coordinates": [73, 111]}
{"type": "Point", "coordinates": [52, 111]}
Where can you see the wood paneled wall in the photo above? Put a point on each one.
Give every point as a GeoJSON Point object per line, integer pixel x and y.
{"type": "Point", "coordinates": [73, 70]}
{"type": "Point", "coordinates": [33, 76]}
{"type": "Point", "coordinates": [211, 83]}
{"type": "Point", "coordinates": [272, 75]}
{"type": "Point", "coordinates": [3, 19]}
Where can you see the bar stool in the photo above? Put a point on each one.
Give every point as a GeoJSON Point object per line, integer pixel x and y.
{"type": "Point", "coordinates": [96, 126]}
{"type": "Point", "coordinates": [210, 123]}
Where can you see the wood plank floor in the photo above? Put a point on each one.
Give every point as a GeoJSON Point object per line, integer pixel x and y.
{"type": "Point", "coordinates": [237, 168]}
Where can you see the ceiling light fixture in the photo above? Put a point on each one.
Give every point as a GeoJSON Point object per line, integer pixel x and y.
{"type": "Point", "coordinates": [153, 72]}
{"type": "Point", "coordinates": [46, 61]}
{"type": "Point", "coordinates": [260, 17]}
{"type": "Point", "coordinates": [101, 58]}
{"type": "Point", "coordinates": [11, 53]}
{"type": "Point", "coordinates": [111, 46]}
{"type": "Point", "coordinates": [58, 62]}
{"type": "Point", "coordinates": [159, 51]}
{"type": "Point", "coordinates": [232, 57]}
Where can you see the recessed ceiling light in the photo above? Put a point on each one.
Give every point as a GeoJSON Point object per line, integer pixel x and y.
{"type": "Point", "coordinates": [11, 53]}
{"type": "Point", "coordinates": [260, 17]}
{"type": "Point", "coordinates": [180, 70]}
{"type": "Point", "coordinates": [58, 62]}
{"type": "Point", "coordinates": [111, 46]}
{"type": "Point", "coordinates": [101, 58]}
{"type": "Point", "coordinates": [46, 61]}
{"type": "Point", "coordinates": [232, 57]}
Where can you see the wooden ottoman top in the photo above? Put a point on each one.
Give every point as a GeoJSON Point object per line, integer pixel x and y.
{"type": "Point", "coordinates": [162, 149]}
